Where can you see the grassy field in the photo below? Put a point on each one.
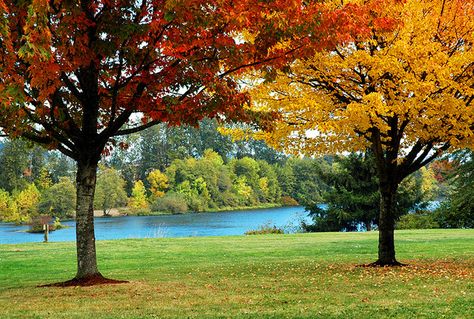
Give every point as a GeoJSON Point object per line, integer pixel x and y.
{"type": "Point", "coordinates": [271, 276]}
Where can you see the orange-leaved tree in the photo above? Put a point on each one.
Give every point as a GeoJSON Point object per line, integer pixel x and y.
{"type": "Point", "coordinates": [405, 92]}
{"type": "Point", "coordinates": [76, 74]}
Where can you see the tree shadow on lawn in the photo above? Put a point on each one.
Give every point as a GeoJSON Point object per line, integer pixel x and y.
{"type": "Point", "coordinates": [86, 282]}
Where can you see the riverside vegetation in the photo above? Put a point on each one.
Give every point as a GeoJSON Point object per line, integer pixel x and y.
{"type": "Point", "coordinates": [36, 182]}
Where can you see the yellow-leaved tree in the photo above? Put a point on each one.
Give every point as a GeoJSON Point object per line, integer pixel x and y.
{"type": "Point", "coordinates": [405, 92]}
{"type": "Point", "coordinates": [158, 183]}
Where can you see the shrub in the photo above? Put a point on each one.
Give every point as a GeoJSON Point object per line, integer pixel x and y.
{"type": "Point", "coordinates": [37, 223]}
{"type": "Point", "coordinates": [197, 203]}
{"type": "Point", "coordinates": [288, 201]}
{"type": "Point", "coordinates": [419, 220]}
{"type": "Point", "coordinates": [170, 203]}
{"type": "Point", "coordinates": [265, 229]}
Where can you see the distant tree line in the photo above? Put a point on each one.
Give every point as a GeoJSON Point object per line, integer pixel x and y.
{"type": "Point", "coordinates": [174, 172]}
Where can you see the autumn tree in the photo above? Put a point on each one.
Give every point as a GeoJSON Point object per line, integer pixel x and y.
{"type": "Point", "coordinates": [158, 183]}
{"type": "Point", "coordinates": [74, 75]}
{"type": "Point", "coordinates": [138, 198]}
{"type": "Point", "coordinates": [405, 91]}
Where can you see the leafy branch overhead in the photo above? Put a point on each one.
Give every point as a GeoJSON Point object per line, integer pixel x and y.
{"type": "Point", "coordinates": [72, 72]}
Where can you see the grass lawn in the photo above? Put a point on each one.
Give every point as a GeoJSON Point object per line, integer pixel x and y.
{"type": "Point", "coordinates": [271, 276]}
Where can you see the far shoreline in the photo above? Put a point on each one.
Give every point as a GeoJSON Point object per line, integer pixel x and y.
{"type": "Point", "coordinates": [125, 211]}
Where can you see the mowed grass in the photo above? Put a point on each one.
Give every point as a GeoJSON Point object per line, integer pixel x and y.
{"type": "Point", "coordinates": [270, 276]}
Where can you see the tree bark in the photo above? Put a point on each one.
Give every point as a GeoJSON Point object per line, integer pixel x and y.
{"type": "Point", "coordinates": [85, 237]}
{"type": "Point", "coordinates": [368, 226]}
{"type": "Point", "coordinates": [87, 272]}
{"type": "Point", "coordinates": [386, 252]}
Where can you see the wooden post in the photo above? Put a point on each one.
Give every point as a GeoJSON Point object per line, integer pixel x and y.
{"type": "Point", "coordinates": [46, 232]}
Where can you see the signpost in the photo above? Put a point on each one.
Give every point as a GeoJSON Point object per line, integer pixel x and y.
{"type": "Point", "coordinates": [45, 220]}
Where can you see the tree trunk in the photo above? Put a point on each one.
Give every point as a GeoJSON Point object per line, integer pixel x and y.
{"type": "Point", "coordinates": [85, 237]}
{"type": "Point", "coordinates": [368, 226]}
{"type": "Point", "coordinates": [87, 271]}
{"type": "Point", "coordinates": [386, 256]}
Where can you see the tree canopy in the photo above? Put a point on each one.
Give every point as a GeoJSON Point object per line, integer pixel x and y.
{"type": "Point", "coordinates": [75, 75]}
{"type": "Point", "coordinates": [405, 91]}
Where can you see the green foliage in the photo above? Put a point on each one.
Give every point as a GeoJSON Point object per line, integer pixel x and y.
{"type": "Point", "coordinates": [59, 165]}
{"type": "Point", "coordinates": [418, 220]}
{"type": "Point", "coordinates": [458, 209]}
{"type": "Point", "coordinates": [243, 190]}
{"type": "Point", "coordinates": [301, 179]}
{"type": "Point", "coordinates": [14, 164]}
{"type": "Point", "coordinates": [160, 145]}
{"type": "Point", "coordinates": [353, 196]}
{"type": "Point", "coordinates": [269, 188]}
{"type": "Point", "coordinates": [110, 190]}
{"type": "Point", "coordinates": [209, 183]}
{"type": "Point", "coordinates": [43, 181]}
{"type": "Point", "coordinates": [173, 203]}
{"type": "Point", "coordinates": [59, 200]}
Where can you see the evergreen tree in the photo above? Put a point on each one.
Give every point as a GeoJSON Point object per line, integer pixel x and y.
{"type": "Point", "coordinates": [458, 209]}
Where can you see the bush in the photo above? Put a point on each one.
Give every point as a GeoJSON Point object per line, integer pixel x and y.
{"type": "Point", "coordinates": [197, 203]}
{"type": "Point", "coordinates": [265, 229]}
{"type": "Point", "coordinates": [171, 203]}
{"type": "Point", "coordinates": [419, 220]}
{"type": "Point", "coordinates": [288, 201]}
{"type": "Point", "coordinates": [37, 223]}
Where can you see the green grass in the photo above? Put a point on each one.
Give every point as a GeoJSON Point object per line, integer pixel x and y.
{"type": "Point", "coordinates": [270, 276]}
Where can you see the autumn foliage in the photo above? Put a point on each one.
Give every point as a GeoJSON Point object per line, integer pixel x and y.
{"type": "Point", "coordinates": [405, 90]}
{"type": "Point", "coordinates": [76, 74]}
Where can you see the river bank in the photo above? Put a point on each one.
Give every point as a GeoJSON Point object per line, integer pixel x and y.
{"type": "Point", "coordinates": [183, 225]}
{"type": "Point", "coordinates": [126, 211]}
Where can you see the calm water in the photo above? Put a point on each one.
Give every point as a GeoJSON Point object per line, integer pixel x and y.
{"type": "Point", "coordinates": [203, 224]}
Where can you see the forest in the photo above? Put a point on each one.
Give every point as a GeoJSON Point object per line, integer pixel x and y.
{"type": "Point", "coordinates": [175, 170]}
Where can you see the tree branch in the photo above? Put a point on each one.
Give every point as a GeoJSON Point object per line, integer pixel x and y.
{"type": "Point", "coordinates": [136, 129]}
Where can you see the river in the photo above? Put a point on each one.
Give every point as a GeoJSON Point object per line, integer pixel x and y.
{"type": "Point", "coordinates": [186, 225]}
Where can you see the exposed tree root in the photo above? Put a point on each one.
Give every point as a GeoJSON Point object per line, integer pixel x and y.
{"type": "Point", "coordinates": [94, 280]}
